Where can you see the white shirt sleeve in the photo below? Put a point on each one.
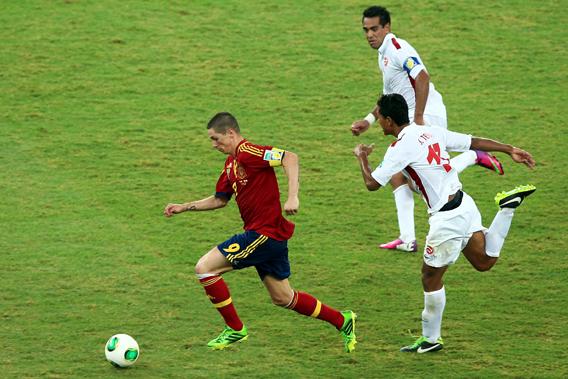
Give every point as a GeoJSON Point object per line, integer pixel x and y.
{"type": "Point", "coordinates": [457, 141]}
{"type": "Point", "coordinates": [410, 61]}
{"type": "Point", "coordinates": [394, 161]}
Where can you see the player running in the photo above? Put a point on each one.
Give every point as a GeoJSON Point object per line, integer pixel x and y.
{"type": "Point", "coordinates": [455, 222]}
{"type": "Point", "coordinates": [249, 176]}
{"type": "Point", "coordinates": [404, 73]}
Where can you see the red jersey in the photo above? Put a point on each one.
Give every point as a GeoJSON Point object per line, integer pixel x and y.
{"type": "Point", "coordinates": [250, 177]}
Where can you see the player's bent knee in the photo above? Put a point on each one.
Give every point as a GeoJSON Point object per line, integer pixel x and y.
{"type": "Point", "coordinates": [201, 267]}
{"type": "Point", "coordinates": [484, 266]}
{"type": "Point", "coordinates": [281, 300]}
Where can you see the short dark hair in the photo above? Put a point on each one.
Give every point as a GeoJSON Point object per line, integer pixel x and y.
{"type": "Point", "coordinates": [376, 11]}
{"type": "Point", "coordinates": [394, 106]}
{"type": "Point", "coordinates": [223, 121]}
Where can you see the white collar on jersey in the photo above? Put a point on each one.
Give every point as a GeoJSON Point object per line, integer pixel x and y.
{"type": "Point", "coordinates": [386, 41]}
{"type": "Point", "coordinates": [404, 130]}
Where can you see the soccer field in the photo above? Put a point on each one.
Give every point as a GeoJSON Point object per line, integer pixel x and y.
{"type": "Point", "coordinates": [103, 108]}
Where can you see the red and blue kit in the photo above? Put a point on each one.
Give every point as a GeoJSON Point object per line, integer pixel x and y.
{"type": "Point", "coordinates": [251, 178]}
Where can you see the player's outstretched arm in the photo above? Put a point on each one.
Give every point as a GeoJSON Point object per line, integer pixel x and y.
{"type": "Point", "coordinates": [207, 204]}
{"type": "Point", "coordinates": [362, 152]}
{"type": "Point", "coordinates": [291, 166]}
{"type": "Point", "coordinates": [518, 155]}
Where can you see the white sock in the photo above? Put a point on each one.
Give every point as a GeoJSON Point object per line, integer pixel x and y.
{"type": "Point", "coordinates": [495, 236]}
{"type": "Point", "coordinates": [464, 160]}
{"type": "Point", "coordinates": [404, 200]}
{"type": "Point", "coordinates": [434, 303]}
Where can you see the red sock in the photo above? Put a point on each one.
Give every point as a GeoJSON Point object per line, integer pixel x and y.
{"type": "Point", "coordinates": [218, 292]}
{"type": "Point", "coordinates": [308, 305]}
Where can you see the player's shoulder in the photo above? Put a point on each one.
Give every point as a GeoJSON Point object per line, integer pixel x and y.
{"type": "Point", "coordinates": [413, 129]}
{"type": "Point", "coordinates": [412, 137]}
{"type": "Point", "coordinates": [405, 138]}
{"type": "Point", "coordinates": [249, 148]}
{"type": "Point", "coordinates": [397, 43]}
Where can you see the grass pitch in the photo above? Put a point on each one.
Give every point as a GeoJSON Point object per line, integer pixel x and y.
{"type": "Point", "coordinates": [103, 107]}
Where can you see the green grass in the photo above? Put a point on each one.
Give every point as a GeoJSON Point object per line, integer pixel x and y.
{"type": "Point", "coordinates": [103, 106]}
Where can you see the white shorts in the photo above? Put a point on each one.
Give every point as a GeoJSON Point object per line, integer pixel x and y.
{"type": "Point", "coordinates": [450, 232]}
{"type": "Point", "coordinates": [431, 120]}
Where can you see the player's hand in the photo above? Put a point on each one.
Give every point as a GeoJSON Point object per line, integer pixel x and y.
{"type": "Point", "coordinates": [521, 156]}
{"type": "Point", "coordinates": [363, 150]}
{"type": "Point", "coordinates": [172, 209]}
{"type": "Point", "coordinates": [291, 206]}
{"type": "Point", "coordinates": [359, 127]}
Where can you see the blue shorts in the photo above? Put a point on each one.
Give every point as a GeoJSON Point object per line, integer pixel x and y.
{"type": "Point", "coordinates": [267, 255]}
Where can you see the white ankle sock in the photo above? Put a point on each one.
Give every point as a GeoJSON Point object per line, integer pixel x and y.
{"type": "Point", "coordinates": [434, 303]}
{"type": "Point", "coordinates": [495, 236]}
{"type": "Point", "coordinates": [404, 200]}
{"type": "Point", "coordinates": [464, 160]}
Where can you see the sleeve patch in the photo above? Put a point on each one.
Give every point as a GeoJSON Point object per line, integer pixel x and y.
{"type": "Point", "coordinates": [410, 63]}
{"type": "Point", "coordinates": [274, 156]}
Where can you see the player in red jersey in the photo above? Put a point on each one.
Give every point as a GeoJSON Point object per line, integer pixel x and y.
{"type": "Point", "coordinates": [249, 176]}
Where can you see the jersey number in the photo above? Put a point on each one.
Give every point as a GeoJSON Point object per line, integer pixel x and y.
{"type": "Point", "coordinates": [434, 154]}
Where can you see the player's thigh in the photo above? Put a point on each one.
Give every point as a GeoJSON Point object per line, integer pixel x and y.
{"type": "Point", "coordinates": [475, 246]}
{"type": "Point", "coordinates": [280, 290]}
{"type": "Point", "coordinates": [450, 232]}
{"type": "Point", "coordinates": [445, 240]}
{"type": "Point", "coordinates": [439, 121]}
{"type": "Point", "coordinates": [474, 251]}
{"type": "Point", "coordinates": [251, 249]}
{"type": "Point", "coordinates": [213, 262]}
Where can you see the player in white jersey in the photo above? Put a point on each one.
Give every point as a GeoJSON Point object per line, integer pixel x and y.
{"type": "Point", "coordinates": [404, 73]}
{"type": "Point", "coordinates": [421, 153]}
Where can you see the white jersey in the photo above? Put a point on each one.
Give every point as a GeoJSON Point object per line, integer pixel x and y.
{"type": "Point", "coordinates": [400, 64]}
{"type": "Point", "coordinates": [421, 153]}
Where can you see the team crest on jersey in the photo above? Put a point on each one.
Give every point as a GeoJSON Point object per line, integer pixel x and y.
{"type": "Point", "coordinates": [385, 61]}
{"type": "Point", "coordinates": [240, 175]}
{"type": "Point", "coordinates": [410, 63]}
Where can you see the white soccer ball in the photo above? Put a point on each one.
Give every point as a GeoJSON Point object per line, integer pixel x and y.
{"type": "Point", "coordinates": [121, 350]}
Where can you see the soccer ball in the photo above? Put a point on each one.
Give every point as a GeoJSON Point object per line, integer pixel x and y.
{"type": "Point", "coordinates": [121, 350]}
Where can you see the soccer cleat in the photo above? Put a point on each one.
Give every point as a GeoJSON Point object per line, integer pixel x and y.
{"type": "Point", "coordinates": [227, 337]}
{"type": "Point", "coordinates": [422, 345]}
{"type": "Point", "coordinates": [348, 330]}
{"type": "Point", "coordinates": [514, 198]}
{"type": "Point", "coordinates": [489, 161]}
{"type": "Point", "coordinates": [399, 244]}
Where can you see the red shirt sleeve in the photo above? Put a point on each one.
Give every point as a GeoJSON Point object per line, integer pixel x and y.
{"type": "Point", "coordinates": [223, 187]}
